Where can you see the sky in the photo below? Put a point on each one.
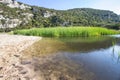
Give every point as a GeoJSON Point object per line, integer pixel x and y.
{"type": "Point", "coordinates": [112, 5]}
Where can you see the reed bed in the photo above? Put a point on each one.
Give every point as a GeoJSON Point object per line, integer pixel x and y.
{"type": "Point", "coordinates": [67, 31]}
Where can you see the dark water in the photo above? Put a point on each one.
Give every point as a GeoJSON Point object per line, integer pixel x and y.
{"type": "Point", "coordinates": [95, 58]}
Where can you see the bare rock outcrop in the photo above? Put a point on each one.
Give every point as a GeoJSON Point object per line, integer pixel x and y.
{"type": "Point", "coordinates": [14, 4]}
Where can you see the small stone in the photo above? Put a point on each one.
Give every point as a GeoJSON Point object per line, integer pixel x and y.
{"type": "Point", "coordinates": [1, 76]}
{"type": "Point", "coordinates": [25, 62]}
{"type": "Point", "coordinates": [19, 68]}
{"type": "Point", "coordinates": [23, 72]}
{"type": "Point", "coordinates": [17, 55]}
{"type": "Point", "coordinates": [1, 68]}
{"type": "Point", "coordinates": [27, 78]}
{"type": "Point", "coordinates": [13, 64]}
{"type": "Point", "coordinates": [19, 79]}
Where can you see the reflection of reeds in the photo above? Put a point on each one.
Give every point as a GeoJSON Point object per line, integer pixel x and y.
{"type": "Point", "coordinates": [113, 51]}
{"type": "Point", "coordinates": [113, 43]}
{"type": "Point", "coordinates": [113, 55]}
{"type": "Point", "coordinates": [118, 57]}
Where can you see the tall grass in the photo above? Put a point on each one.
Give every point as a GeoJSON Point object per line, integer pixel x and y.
{"type": "Point", "coordinates": [67, 31]}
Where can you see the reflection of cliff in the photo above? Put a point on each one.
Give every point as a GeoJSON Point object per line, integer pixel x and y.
{"type": "Point", "coordinates": [89, 44]}
{"type": "Point", "coordinates": [85, 47]}
{"type": "Point", "coordinates": [48, 46]}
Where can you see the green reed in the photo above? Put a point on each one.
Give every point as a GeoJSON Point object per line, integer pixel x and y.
{"type": "Point", "coordinates": [67, 31]}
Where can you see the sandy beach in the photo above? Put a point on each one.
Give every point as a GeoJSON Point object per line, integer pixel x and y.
{"type": "Point", "coordinates": [11, 67]}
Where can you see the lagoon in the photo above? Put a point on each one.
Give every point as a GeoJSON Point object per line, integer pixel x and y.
{"type": "Point", "coordinates": [91, 58]}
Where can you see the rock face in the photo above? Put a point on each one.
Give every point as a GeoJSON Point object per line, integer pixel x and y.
{"type": "Point", "coordinates": [10, 23]}
{"type": "Point", "coordinates": [14, 4]}
{"type": "Point", "coordinates": [6, 1]}
{"type": "Point", "coordinates": [48, 14]}
{"type": "Point", "coordinates": [13, 14]}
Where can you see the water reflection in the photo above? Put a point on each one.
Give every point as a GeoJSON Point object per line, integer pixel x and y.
{"type": "Point", "coordinates": [94, 58]}
{"type": "Point", "coordinates": [54, 45]}
{"type": "Point", "coordinates": [116, 53]}
{"type": "Point", "coordinates": [118, 61]}
{"type": "Point", "coordinates": [88, 44]}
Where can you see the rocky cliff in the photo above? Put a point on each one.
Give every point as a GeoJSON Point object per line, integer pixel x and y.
{"type": "Point", "coordinates": [14, 4]}
{"type": "Point", "coordinates": [13, 14]}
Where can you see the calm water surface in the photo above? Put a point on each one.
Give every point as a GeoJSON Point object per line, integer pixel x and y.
{"type": "Point", "coordinates": [95, 58]}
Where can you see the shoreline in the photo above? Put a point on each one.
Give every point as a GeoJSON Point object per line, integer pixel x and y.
{"type": "Point", "coordinates": [11, 47]}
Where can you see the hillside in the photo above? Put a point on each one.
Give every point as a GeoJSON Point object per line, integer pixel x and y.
{"type": "Point", "coordinates": [14, 14]}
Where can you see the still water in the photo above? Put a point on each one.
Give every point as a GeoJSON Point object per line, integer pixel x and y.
{"type": "Point", "coordinates": [94, 58]}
